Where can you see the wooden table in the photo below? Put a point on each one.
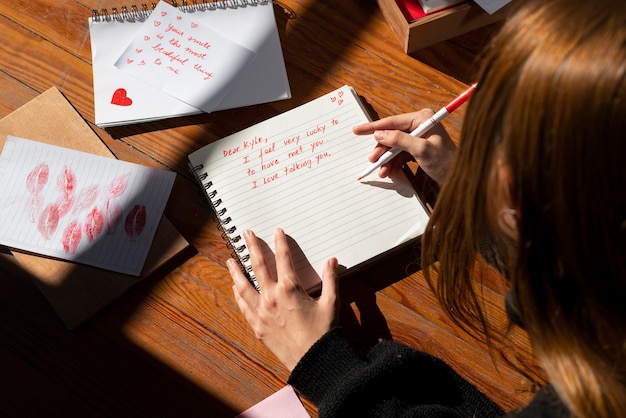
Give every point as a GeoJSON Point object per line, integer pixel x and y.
{"type": "Point", "coordinates": [176, 344]}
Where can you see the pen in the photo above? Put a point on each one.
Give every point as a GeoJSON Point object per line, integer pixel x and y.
{"type": "Point", "coordinates": [422, 129]}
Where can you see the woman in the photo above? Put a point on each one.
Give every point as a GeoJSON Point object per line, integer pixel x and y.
{"type": "Point", "coordinates": [540, 167]}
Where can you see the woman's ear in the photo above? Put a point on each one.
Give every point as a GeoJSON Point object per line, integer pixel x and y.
{"type": "Point", "coordinates": [508, 210]}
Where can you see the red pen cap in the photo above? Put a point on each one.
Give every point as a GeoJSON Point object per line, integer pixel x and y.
{"type": "Point", "coordinates": [462, 98]}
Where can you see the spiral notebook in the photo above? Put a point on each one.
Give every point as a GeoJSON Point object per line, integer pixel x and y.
{"type": "Point", "coordinates": [298, 171]}
{"type": "Point", "coordinates": [120, 98]}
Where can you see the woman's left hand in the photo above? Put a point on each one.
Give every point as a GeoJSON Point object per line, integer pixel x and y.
{"type": "Point", "coordinates": [283, 316]}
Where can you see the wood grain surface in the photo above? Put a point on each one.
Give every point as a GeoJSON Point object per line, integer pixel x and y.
{"type": "Point", "coordinates": [176, 344]}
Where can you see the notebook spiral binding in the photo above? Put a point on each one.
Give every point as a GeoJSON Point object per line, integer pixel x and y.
{"type": "Point", "coordinates": [141, 13]}
{"type": "Point", "coordinates": [229, 232]}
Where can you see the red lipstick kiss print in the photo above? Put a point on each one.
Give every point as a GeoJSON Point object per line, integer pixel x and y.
{"type": "Point", "coordinates": [120, 98]}
{"type": "Point", "coordinates": [112, 215]}
{"type": "Point", "coordinates": [71, 237]}
{"type": "Point", "coordinates": [135, 221]}
{"type": "Point", "coordinates": [67, 181]}
{"type": "Point", "coordinates": [86, 198]}
{"type": "Point", "coordinates": [37, 178]}
{"type": "Point", "coordinates": [118, 185]}
{"type": "Point", "coordinates": [66, 185]}
{"type": "Point", "coordinates": [94, 224]}
{"type": "Point", "coordinates": [48, 221]}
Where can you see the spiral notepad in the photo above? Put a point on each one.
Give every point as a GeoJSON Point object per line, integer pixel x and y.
{"type": "Point", "coordinates": [298, 171]}
{"type": "Point", "coordinates": [120, 98]}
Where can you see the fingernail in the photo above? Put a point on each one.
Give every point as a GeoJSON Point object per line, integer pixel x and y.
{"type": "Point", "coordinates": [380, 135]}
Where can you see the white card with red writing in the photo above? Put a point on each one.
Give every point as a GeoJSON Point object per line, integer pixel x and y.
{"type": "Point", "coordinates": [121, 99]}
{"type": "Point", "coordinates": [79, 207]}
{"type": "Point", "coordinates": [179, 55]}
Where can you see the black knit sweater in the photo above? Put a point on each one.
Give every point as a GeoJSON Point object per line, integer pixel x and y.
{"type": "Point", "coordinates": [393, 380]}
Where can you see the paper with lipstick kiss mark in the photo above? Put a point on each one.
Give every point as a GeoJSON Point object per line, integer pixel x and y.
{"type": "Point", "coordinates": [184, 59]}
{"type": "Point", "coordinates": [79, 207]}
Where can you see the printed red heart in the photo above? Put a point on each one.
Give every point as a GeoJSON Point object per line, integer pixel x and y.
{"type": "Point", "coordinates": [157, 23]}
{"type": "Point", "coordinates": [194, 25]}
{"type": "Point", "coordinates": [119, 98]}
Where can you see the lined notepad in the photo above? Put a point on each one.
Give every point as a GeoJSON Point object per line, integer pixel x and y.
{"type": "Point", "coordinates": [298, 171]}
{"type": "Point", "coordinates": [80, 207]}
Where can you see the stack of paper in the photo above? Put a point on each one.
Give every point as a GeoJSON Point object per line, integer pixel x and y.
{"type": "Point", "coordinates": [78, 289]}
{"type": "Point", "coordinates": [177, 61]}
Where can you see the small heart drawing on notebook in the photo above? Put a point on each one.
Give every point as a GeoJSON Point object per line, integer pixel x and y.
{"type": "Point", "coordinates": [120, 98]}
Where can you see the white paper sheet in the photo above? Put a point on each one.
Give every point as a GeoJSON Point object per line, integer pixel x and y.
{"type": "Point", "coordinates": [79, 207]}
{"type": "Point", "coordinates": [176, 53]}
{"type": "Point", "coordinates": [120, 98]}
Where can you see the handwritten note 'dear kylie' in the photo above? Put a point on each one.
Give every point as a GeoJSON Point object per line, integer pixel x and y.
{"type": "Point", "coordinates": [120, 98]}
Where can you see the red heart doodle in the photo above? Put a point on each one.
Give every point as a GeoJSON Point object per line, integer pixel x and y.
{"type": "Point", "coordinates": [119, 98]}
{"type": "Point", "coordinates": [139, 51]}
{"type": "Point", "coordinates": [194, 25]}
{"type": "Point", "coordinates": [340, 94]}
{"type": "Point", "coordinates": [333, 99]}
{"type": "Point", "coordinates": [179, 17]}
{"type": "Point", "coordinates": [146, 38]}
{"type": "Point", "coordinates": [129, 60]}
{"type": "Point", "coordinates": [163, 13]}
{"type": "Point", "coordinates": [157, 23]}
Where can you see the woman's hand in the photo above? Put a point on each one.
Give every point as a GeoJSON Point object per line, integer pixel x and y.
{"type": "Point", "coordinates": [283, 316]}
{"type": "Point", "coordinates": [434, 152]}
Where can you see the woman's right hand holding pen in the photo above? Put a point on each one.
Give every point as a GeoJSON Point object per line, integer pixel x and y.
{"type": "Point", "coordinates": [434, 152]}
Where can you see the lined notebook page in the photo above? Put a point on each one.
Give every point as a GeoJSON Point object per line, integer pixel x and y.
{"type": "Point", "coordinates": [79, 207]}
{"type": "Point", "coordinates": [298, 171]}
